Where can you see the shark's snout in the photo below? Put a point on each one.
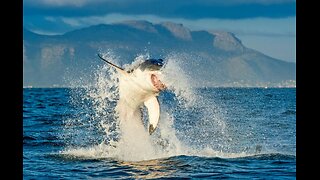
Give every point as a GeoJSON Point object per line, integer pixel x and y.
{"type": "Point", "coordinates": [157, 83]}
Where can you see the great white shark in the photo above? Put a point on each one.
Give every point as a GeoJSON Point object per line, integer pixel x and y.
{"type": "Point", "coordinates": [137, 87]}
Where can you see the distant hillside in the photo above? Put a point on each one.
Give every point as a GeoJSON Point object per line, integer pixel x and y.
{"type": "Point", "coordinates": [215, 58]}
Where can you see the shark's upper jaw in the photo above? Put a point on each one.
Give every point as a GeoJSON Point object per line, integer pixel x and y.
{"type": "Point", "coordinates": [157, 83]}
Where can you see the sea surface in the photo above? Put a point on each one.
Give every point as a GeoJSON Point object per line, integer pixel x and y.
{"type": "Point", "coordinates": [220, 133]}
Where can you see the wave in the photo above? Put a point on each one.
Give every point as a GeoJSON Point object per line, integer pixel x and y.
{"type": "Point", "coordinates": [270, 156]}
{"type": "Point", "coordinates": [289, 112]}
{"type": "Point", "coordinates": [94, 155]}
{"type": "Point", "coordinates": [47, 140]}
{"type": "Point", "coordinates": [44, 143]}
{"type": "Point", "coordinates": [266, 166]}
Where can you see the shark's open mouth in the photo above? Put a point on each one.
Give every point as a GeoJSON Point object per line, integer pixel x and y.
{"type": "Point", "coordinates": [157, 83]}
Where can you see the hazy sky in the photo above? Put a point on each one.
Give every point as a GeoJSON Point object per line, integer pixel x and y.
{"type": "Point", "coordinates": [268, 26]}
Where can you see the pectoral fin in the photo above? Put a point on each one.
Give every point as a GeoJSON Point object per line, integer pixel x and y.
{"type": "Point", "coordinates": [153, 107]}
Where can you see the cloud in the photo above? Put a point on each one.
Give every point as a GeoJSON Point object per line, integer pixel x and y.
{"type": "Point", "coordinates": [60, 3]}
{"type": "Point", "coordinates": [191, 9]}
{"type": "Point", "coordinates": [44, 31]}
{"type": "Point", "coordinates": [72, 22]}
{"type": "Point", "coordinates": [265, 2]}
{"type": "Point", "coordinates": [50, 19]}
{"type": "Point", "coordinates": [81, 3]}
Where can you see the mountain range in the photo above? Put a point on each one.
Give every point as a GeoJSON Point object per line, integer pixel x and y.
{"type": "Point", "coordinates": [212, 58]}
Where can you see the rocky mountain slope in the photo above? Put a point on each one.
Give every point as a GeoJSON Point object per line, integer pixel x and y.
{"type": "Point", "coordinates": [213, 58]}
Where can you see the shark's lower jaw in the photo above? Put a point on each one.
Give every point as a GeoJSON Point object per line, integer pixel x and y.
{"type": "Point", "coordinates": [157, 83]}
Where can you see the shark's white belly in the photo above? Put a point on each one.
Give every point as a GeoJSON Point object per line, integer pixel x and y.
{"type": "Point", "coordinates": [135, 90]}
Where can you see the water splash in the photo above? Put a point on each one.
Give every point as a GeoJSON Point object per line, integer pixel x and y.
{"type": "Point", "coordinates": [187, 123]}
{"type": "Point", "coordinates": [178, 81]}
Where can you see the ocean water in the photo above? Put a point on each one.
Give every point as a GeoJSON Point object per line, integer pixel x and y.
{"type": "Point", "coordinates": [235, 133]}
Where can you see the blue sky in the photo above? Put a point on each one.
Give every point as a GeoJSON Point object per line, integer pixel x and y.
{"type": "Point", "coordinates": [268, 26]}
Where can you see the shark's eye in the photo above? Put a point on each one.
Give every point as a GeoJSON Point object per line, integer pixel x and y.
{"type": "Point", "coordinates": [157, 62]}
